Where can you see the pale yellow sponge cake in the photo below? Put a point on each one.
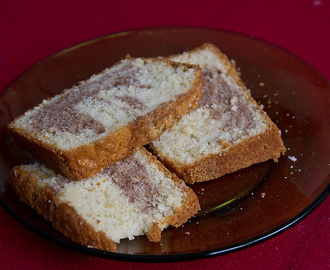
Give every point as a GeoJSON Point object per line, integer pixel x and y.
{"type": "Point", "coordinates": [227, 132]}
{"type": "Point", "coordinates": [135, 196]}
{"type": "Point", "coordinates": [109, 116]}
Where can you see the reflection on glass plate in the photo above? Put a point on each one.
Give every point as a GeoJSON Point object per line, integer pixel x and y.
{"type": "Point", "coordinates": [239, 209]}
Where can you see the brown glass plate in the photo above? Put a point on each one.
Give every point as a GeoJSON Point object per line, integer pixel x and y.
{"type": "Point", "coordinates": [239, 209]}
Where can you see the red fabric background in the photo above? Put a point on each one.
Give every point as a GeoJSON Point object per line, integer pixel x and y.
{"type": "Point", "coordinates": [33, 30]}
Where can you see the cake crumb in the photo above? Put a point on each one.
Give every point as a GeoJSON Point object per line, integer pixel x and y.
{"type": "Point", "coordinates": [294, 159]}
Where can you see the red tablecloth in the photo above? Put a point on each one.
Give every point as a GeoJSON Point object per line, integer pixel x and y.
{"type": "Point", "coordinates": [33, 30]}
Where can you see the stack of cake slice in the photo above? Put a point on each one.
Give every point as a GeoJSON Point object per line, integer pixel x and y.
{"type": "Point", "coordinates": [100, 185]}
{"type": "Point", "coordinates": [96, 182]}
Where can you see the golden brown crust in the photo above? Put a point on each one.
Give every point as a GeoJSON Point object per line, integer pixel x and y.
{"type": "Point", "coordinates": [238, 157]}
{"type": "Point", "coordinates": [23, 185]}
{"type": "Point", "coordinates": [89, 159]}
{"type": "Point", "coordinates": [154, 233]}
{"type": "Point", "coordinates": [64, 218]}
{"type": "Point", "coordinates": [260, 148]}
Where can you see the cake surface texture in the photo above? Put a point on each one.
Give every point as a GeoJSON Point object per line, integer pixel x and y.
{"type": "Point", "coordinates": [135, 196]}
{"type": "Point", "coordinates": [109, 116]}
{"type": "Point", "coordinates": [227, 132]}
